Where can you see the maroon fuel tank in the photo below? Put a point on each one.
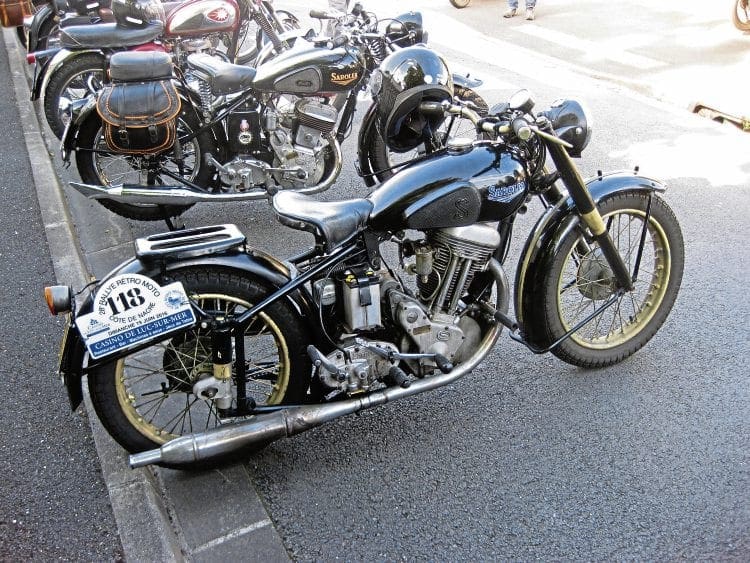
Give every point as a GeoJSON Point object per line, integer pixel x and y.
{"type": "Point", "coordinates": [199, 17]}
{"type": "Point", "coordinates": [306, 69]}
{"type": "Point", "coordinates": [451, 189]}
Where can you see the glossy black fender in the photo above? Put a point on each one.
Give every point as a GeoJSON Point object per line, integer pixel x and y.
{"type": "Point", "coordinates": [544, 240]}
{"type": "Point", "coordinates": [366, 131]}
{"type": "Point", "coordinates": [41, 16]}
{"type": "Point", "coordinates": [270, 271]}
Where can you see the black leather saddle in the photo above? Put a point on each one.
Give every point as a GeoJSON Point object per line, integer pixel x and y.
{"type": "Point", "coordinates": [108, 35]}
{"type": "Point", "coordinates": [222, 77]}
{"type": "Point", "coordinates": [332, 222]}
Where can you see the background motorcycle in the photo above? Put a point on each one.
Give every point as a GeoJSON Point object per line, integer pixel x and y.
{"type": "Point", "coordinates": [245, 133]}
{"type": "Point", "coordinates": [220, 27]}
{"type": "Point", "coordinates": [404, 291]}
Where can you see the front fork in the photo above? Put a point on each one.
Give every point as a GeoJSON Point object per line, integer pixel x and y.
{"type": "Point", "coordinates": [590, 215]}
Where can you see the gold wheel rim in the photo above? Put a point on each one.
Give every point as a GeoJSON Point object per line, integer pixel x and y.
{"type": "Point", "coordinates": [143, 410]}
{"type": "Point", "coordinates": [631, 312]}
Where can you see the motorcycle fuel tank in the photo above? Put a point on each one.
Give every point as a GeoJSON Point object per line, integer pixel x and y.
{"type": "Point", "coordinates": [308, 69]}
{"type": "Point", "coordinates": [454, 188]}
{"type": "Point", "coordinates": [198, 17]}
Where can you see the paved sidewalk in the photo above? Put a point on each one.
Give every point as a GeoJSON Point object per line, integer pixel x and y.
{"type": "Point", "coordinates": [161, 515]}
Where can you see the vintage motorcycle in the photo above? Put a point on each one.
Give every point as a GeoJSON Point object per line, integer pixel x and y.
{"type": "Point", "coordinates": [244, 133]}
{"type": "Point", "coordinates": [75, 67]}
{"type": "Point", "coordinates": [202, 346]}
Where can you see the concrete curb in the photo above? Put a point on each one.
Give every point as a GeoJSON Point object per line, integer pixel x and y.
{"type": "Point", "coordinates": [143, 521]}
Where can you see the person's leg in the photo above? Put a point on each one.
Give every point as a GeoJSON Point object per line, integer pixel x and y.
{"type": "Point", "coordinates": [512, 7]}
{"type": "Point", "coordinates": [530, 5]}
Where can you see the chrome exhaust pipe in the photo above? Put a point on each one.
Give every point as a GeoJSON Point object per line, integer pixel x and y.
{"type": "Point", "coordinates": [264, 428]}
{"type": "Point", "coordinates": [184, 195]}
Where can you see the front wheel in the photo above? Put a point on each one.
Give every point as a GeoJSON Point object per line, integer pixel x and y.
{"type": "Point", "coordinates": [579, 280]}
{"type": "Point", "coordinates": [146, 398]}
{"type": "Point", "coordinates": [386, 162]}
{"type": "Point", "coordinates": [100, 166]}
{"type": "Point", "coordinates": [741, 15]}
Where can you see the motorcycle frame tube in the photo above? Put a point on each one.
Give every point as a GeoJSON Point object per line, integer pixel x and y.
{"type": "Point", "coordinates": [269, 270]}
{"type": "Point", "coordinates": [540, 245]}
{"type": "Point", "coordinates": [365, 132]}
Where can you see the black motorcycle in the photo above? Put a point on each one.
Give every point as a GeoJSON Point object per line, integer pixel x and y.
{"type": "Point", "coordinates": [244, 133]}
{"type": "Point", "coordinates": [202, 345]}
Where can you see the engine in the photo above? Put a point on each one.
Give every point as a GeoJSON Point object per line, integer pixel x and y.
{"type": "Point", "coordinates": [282, 145]}
{"type": "Point", "coordinates": [419, 325]}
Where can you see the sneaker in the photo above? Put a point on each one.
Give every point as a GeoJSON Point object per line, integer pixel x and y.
{"type": "Point", "coordinates": [530, 14]}
{"type": "Point", "coordinates": [510, 13]}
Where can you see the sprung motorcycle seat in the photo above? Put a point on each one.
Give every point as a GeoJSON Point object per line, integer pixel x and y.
{"type": "Point", "coordinates": [108, 35]}
{"type": "Point", "coordinates": [222, 77]}
{"type": "Point", "coordinates": [332, 222]}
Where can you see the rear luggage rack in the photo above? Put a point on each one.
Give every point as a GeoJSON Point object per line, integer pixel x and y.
{"type": "Point", "coordinates": [189, 243]}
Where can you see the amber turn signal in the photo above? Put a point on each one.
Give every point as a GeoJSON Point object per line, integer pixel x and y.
{"type": "Point", "coordinates": [59, 298]}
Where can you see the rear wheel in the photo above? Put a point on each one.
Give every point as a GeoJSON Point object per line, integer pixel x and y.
{"type": "Point", "coordinates": [147, 399]}
{"type": "Point", "coordinates": [741, 15]}
{"type": "Point", "coordinates": [387, 162]}
{"type": "Point", "coordinates": [579, 280]}
{"type": "Point", "coordinates": [72, 81]}
{"type": "Point", "coordinates": [97, 165]}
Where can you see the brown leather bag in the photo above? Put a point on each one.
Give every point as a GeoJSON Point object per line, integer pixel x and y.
{"type": "Point", "coordinates": [12, 12]}
{"type": "Point", "coordinates": [139, 116]}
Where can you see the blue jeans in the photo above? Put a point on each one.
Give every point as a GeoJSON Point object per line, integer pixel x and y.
{"type": "Point", "coordinates": [514, 4]}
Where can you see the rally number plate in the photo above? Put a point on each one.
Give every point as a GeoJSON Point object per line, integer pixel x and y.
{"type": "Point", "coordinates": [132, 310]}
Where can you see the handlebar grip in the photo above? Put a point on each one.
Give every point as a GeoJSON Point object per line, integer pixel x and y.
{"type": "Point", "coordinates": [521, 128]}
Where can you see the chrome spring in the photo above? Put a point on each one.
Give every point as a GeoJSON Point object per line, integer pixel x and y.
{"type": "Point", "coordinates": [206, 97]}
{"type": "Point", "coordinates": [377, 49]}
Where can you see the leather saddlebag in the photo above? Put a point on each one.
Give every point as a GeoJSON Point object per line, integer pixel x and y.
{"type": "Point", "coordinates": [139, 108]}
{"type": "Point", "coordinates": [12, 12]}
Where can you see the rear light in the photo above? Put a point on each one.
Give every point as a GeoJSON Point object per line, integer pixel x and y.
{"type": "Point", "coordinates": [59, 298]}
{"type": "Point", "coordinates": [30, 58]}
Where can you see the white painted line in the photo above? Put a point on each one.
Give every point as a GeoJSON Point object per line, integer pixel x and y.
{"type": "Point", "coordinates": [232, 535]}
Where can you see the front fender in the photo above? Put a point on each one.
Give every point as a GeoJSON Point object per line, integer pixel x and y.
{"type": "Point", "coordinates": [270, 272]}
{"type": "Point", "coordinates": [542, 242]}
{"type": "Point", "coordinates": [367, 131]}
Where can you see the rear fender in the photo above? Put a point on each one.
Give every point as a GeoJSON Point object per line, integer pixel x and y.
{"type": "Point", "coordinates": [64, 56]}
{"type": "Point", "coordinates": [270, 272]}
{"type": "Point", "coordinates": [80, 111]}
{"type": "Point", "coordinates": [41, 16]}
{"type": "Point", "coordinates": [549, 231]}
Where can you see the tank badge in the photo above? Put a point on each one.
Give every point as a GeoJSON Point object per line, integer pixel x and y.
{"type": "Point", "coordinates": [462, 208]}
{"type": "Point", "coordinates": [219, 15]}
{"type": "Point", "coordinates": [344, 79]}
{"type": "Point", "coordinates": [504, 194]}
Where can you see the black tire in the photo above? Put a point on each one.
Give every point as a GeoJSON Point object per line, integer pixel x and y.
{"type": "Point", "coordinates": [578, 280]}
{"type": "Point", "coordinates": [741, 15]}
{"type": "Point", "coordinates": [125, 393]}
{"type": "Point", "coordinates": [74, 80]}
{"type": "Point", "coordinates": [385, 162]}
{"type": "Point", "coordinates": [460, 3]}
{"type": "Point", "coordinates": [105, 168]}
